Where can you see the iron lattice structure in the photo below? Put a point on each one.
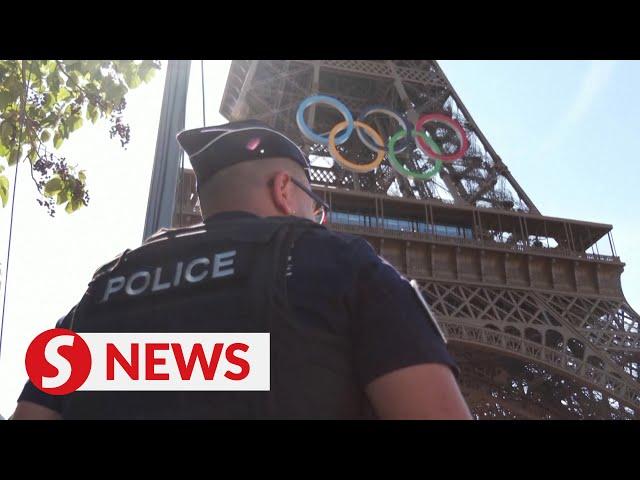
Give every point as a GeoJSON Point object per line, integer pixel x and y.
{"type": "Point", "coordinates": [534, 311]}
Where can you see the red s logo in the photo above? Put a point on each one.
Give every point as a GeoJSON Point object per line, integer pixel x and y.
{"type": "Point", "coordinates": [58, 361]}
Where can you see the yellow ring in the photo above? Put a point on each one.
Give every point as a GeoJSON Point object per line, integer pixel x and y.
{"type": "Point", "coordinates": [355, 167]}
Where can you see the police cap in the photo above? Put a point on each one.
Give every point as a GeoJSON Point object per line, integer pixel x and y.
{"type": "Point", "coordinates": [211, 149]}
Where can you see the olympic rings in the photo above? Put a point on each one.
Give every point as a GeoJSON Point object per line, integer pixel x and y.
{"type": "Point", "coordinates": [374, 142]}
{"type": "Point", "coordinates": [364, 138]}
{"type": "Point", "coordinates": [326, 100]}
{"type": "Point", "coordinates": [438, 117]}
{"type": "Point", "coordinates": [401, 168]}
{"type": "Point", "coordinates": [355, 167]}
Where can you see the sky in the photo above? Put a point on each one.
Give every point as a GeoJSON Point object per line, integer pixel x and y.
{"type": "Point", "coordinates": [565, 129]}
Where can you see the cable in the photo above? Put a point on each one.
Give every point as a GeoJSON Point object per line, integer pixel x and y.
{"type": "Point", "coordinates": [13, 198]}
{"type": "Point", "coordinates": [204, 118]}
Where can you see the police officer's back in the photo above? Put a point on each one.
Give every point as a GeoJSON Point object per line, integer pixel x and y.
{"type": "Point", "coordinates": [349, 338]}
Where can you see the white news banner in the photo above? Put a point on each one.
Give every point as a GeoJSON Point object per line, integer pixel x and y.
{"type": "Point", "coordinates": [178, 361]}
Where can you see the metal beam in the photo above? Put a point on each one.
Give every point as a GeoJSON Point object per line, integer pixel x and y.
{"type": "Point", "coordinates": [240, 107]}
{"type": "Point", "coordinates": [162, 192]}
{"type": "Point", "coordinates": [496, 158]}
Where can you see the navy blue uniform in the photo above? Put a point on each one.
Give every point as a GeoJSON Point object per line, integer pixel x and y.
{"type": "Point", "coordinates": [338, 284]}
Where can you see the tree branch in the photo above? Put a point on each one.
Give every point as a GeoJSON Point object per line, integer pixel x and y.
{"type": "Point", "coordinates": [62, 69]}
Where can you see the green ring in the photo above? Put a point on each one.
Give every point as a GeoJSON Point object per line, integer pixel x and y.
{"type": "Point", "coordinates": [401, 168]}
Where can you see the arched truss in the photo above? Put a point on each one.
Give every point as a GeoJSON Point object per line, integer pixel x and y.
{"type": "Point", "coordinates": [591, 341]}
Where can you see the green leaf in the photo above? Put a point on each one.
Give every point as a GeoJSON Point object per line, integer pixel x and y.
{"type": "Point", "coordinates": [6, 133]}
{"type": "Point", "coordinates": [4, 152]}
{"type": "Point", "coordinates": [4, 190]}
{"type": "Point", "coordinates": [14, 156]}
{"type": "Point", "coordinates": [108, 87]}
{"type": "Point", "coordinates": [57, 140]}
{"type": "Point", "coordinates": [53, 186]}
{"type": "Point", "coordinates": [62, 197]}
{"type": "Point", "coordinates": [53, 82]}
{"type": "Point", "coordinates": [32, 155]}
{"type": "Point", "coordinates": [73, 79]}
{"type": "Point", "coordinates": [34, 68]}
{"type": "Point", "coordinates": [122, 91]}
{"type": "Point", "coordinates": [6, 99]}
{"type": "Point", "coordinates": [67, 112]}
{"type": "Point", "coordinates": [14, 85]}
{"type": "Point", "coordinates": [63, 94]}
{"type": "Point", "coordinates": [92, 88]}
{"type": "Point", "coordinates": [134, 80]}
{"type": "Point", "coordinates": [90, 109]}
{"type": "Point", "coordinates": [45, 136]}
{"type": "Point", "coordinates": [68, 208]}
{"type": "Point", "coordinates": [147, 70]}
{"type": "Point", "coordinates": [50, 120]}
{"type": "Point", "coordinates": [113, 91]}
{"type": "Point", "coordinates": [150, 74]}
{"type": "Point", "coordinates": [48, 101]}
{"type": "Point", "coordinates": [75, 123]}
{"type": "Point", "coordinates": [92, 65]}
{"type": "Point", "coordinates": [81, 175]}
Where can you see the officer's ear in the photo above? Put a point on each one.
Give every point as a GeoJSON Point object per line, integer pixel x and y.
{"type": "Point", "coordinates": [281, 191]}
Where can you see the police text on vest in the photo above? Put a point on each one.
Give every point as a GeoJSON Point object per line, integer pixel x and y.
{"type": "Point", "coordinates": [182, 272]}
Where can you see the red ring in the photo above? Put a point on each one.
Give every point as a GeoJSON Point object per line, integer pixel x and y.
{"type": "Point", "coordinates": [439, 117]}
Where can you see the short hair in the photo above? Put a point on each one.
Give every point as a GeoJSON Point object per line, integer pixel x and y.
{"type": "Point", "coordinates": [236, 181]}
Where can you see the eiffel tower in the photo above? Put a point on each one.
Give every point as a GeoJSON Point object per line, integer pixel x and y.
{"type": "Point", "coordinates": [533, 309]}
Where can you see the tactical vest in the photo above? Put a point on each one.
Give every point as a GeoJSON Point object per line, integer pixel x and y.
{"type": "Point", "coordinates": [311, 370]}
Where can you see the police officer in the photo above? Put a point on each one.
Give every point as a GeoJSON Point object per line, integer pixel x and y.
{"type": "Point", "coordinates": [350, 337]}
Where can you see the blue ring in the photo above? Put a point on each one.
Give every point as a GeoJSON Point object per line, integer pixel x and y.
{"type": "Point", "coordinates": [333, 102]}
